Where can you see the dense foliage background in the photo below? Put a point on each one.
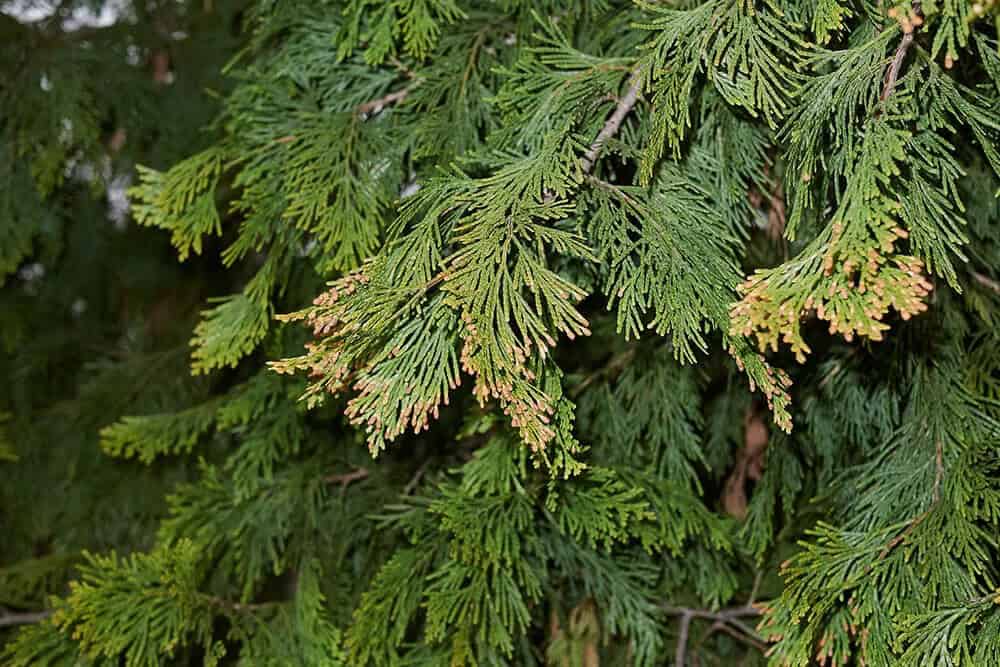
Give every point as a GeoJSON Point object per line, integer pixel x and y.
{"type": "Point", "coordinates": [499, 332]}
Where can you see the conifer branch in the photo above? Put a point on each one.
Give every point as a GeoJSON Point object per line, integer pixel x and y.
{"type": "Point", "coordinates": [614, 122]}
{"type": "Point", "coordinates": [496, 268]}
{"type": "Point", "coordinates": [935, 499]}
{"type": "Point", "coordinates": [11, 619]}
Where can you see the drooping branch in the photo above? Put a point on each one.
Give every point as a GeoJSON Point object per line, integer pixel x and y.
{"type": "Point", "coordinates": [917, 520]}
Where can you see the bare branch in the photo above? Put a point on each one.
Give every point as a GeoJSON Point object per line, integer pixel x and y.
{"type": "Point", "coordinates": [745, 611]}
{"type": "Point", "coordinates": [241, 607]}
{"type": "Point", "coordinates": [10, 619]}
{"type": "Point", "coordinates": [904, 47]}
{"type": "Point", "coordinates": [741, 635]}
{"type": "Point", "coordinates": [614, 122]}
{"type": "Point", "coordinates": [417, 476]}
{"type": "Point", "coordinates": [346, 478]}
{"type": "Point", "coordinates": [897, 62]}
{"type": "Point", "coordinates": [757, 578]}
{"type": "Point", "coordinates": [680, 657]}
{"type": "Point", "coordinates": [727, 620]}
{"type": "Point", "coordinates": [376, 105]}
{"type": "Point", "coordinates": [986, 281]}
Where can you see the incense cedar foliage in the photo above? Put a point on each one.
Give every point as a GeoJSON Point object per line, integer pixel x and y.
{"type": "Point", "coordinates": [510, 332]}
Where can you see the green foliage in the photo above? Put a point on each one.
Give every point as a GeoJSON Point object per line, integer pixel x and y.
{"type": "Point", "coordinates": [889, 572]}
{"type": "Point", "coordinates": [750, 54]}
{"type": "Point", "coordinates": [302, 634]}
{"type": "Point", "coordinates": [45, 644]}
{"type": "Point", "coordinates": [27, 582]}
{"type": "Point", "coordinates": [532, 332]}
{"type": "Point", "coordinates": [181, 201]}
{"type": "Point", "coordinates": [648, 239]}
{"type": "Point", "coordinates": [24, 217]}
{"type": "Point", "coordinates": [383, 26]}
{"type": "Point", "coordinates": [7, 451]}
{"type": "Point", "coordinates": [141, 607]}
{"type": "Point", "coordinates": [155, 435]}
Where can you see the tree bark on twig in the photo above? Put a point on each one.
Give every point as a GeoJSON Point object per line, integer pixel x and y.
{"type": "Point", "coordinates": [347, 478]}
{"type": "Point", "coordinates": [728, 620]}
{"type": "Point", "coordinates": [10, 619]}
{"type": "Point", "coordinates": [380, 103]}
{"type": "Point", "coordinates": [892, 74]}
{"type": "Point", "coordinates": [614, 122]}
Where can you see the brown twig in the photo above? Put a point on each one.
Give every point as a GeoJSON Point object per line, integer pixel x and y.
{"type": "Point", "coordinates": [680, 657]}
{"type": "Point", "coordinates": [625, 104]}
{"type": "Point", "coordinates": [346, 478]}
{"type": "Point", "coordinates": [417, 476]}
{"type": "Point", "coordinates": [384, 101]}
{"type": "Point", "coordinates": [758, 577]}
{"type": "Point", "coordinates": [744, 611]}
{"type": "Point", "coordinates": [10, 619]}
{"type": "Point", "coordinates": [613, 188]}
{"type": "Point", "coordinates": [896, 541]}
{"type": "Point", "coordinates": [371, 106]}
{"type": "Point", "coordinates": [897, 62]}
{"type": "Point", "coordinates": [614, 122]}
{"type": "Point", "coordinates": [901, 50]}
{"type": "Point", "coordinates": [240, 607]}
{"type": "Point", "coordinates": [986, 281]}
{"type": "Point", "coordinates": [739, 633]}
{"type": "Point", "coordinates": [398, 64]}
{"type": "Point", "coordinates": [727, 620]}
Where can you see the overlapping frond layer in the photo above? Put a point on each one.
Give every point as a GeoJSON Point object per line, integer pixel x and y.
{"type": "Point", "coordinates": [502, 314]}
